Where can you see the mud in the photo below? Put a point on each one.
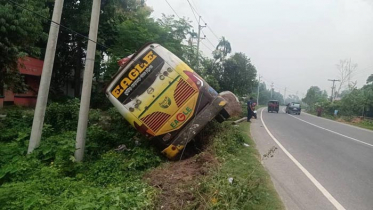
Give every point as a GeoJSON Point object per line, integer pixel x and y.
{"type": "Point", "coordinates": [176, 180]}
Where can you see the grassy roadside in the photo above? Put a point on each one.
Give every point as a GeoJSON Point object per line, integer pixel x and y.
{"type": "Point", "coordinates": [251, 186]}
{"type": "Point", "coordinates": [50, 178]}
{"type": "Point", "coordinates": [136, 177]}
{"type": "Point", "coordinates": [355, 121]}
{"type": "Point", "coordinates": [226, 175]}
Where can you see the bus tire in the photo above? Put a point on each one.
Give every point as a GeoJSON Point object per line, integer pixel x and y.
{"type": "Point", "coordinates": [219, 118]}
{"type": "Point", "coordinates": [224, 113]}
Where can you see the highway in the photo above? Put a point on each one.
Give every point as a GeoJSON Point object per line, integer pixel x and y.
{"type": "Point", "coordinates": [318, 163]}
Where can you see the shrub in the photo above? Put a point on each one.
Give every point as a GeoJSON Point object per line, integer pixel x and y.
{"type": "Point", "coordinates": [16, 121]}
{"type": "Point", "coordinates": [49, 178]}
{"type": "Point", "coordinates": [63, 117]}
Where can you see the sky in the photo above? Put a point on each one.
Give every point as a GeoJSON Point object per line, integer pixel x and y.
{"type": "Point", "coordinates": [293, 43]}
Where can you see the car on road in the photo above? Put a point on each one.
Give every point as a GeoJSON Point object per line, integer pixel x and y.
{"type": "Point", "coordinates": [293, 108]}
{"type": "Point", "coordinates": [273, 106]}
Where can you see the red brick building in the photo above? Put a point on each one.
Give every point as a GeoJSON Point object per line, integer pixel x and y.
{"type": "Point", "coordinates": [31, 69]}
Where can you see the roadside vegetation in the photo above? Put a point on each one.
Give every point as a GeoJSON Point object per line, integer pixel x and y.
{"type": "Point", "coordinates": [49, 178]}
{"type": "Point", "coordinates": [354, 105]}
{"type": "Point", "coordinates": [121, 169]}
{"type": "Point", "coordinates": [226, 174]}
{"type": "Point", "coordinates": [120, 166]}
{"type": "Point", "coordinates": [241, 182]}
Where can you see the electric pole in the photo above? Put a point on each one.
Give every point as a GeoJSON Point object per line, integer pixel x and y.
{"type": "Point", "coordinates": [285, 96]}
{"type": "Point", "coordinates": [333, 87]}
{"type": "Point", "coordinates": [271, 90]}
{"type": "Point", "coordinates": [199, 38]}
{"type": "Point", "coordinates": [87, 82]}
{"type": "Point", "coordinates": [257, 97]}
{"type": "Point", "coordinates": [41, 103]}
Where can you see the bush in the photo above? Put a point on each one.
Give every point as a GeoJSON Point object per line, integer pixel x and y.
{"type": "Point", "coordinates": [49, 178]}
{"type": "Point", "coordinates": [63, 117]}
{"type": "Point", "coordinates": [52, 191]}
{"type": "Point", "coordinates": [16, 121]}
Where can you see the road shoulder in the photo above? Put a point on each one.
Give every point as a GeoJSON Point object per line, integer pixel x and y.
{"type": "Point", "coordinates": [294, 188]}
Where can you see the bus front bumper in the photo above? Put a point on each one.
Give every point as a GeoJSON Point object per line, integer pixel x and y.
{"type": "Point", "coordinates": [195, 125]}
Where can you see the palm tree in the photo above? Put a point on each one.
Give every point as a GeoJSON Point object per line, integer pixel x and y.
{"type": "Point", "coordinates": [370, 79]}
{"type": "Point", "coordinates": [222, 49]}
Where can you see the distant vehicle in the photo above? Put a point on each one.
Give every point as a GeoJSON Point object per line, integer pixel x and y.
{"type": "Point", "coordinates": [293, 108]}
{"type": "Point", "coordinates": [273, 106]}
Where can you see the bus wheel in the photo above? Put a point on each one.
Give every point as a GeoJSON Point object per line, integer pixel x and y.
{"type": "Point", "coordinates": [224, 113]}
{"type": "Point", "coordinates": [219, 118]}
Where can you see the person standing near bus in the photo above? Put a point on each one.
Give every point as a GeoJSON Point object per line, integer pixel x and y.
{"type": "Point", "coordinates": [249, 109]}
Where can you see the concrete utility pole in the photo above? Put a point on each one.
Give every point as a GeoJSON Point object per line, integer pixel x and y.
{"type": "Point", "coordinates": [87, 82]}
{"type": "Point", "coordinates": [271, 90]}
{"type": "Point", "coordinates": [285, 96]}
{"type": "Point", "coordinates": [257, 97]}
{"type": "Point", "coordinates": [199, 38]}
{"type": "Point", "coordinates": [333, 87]}
{"type": "Point", "coordinates": [41, 103]}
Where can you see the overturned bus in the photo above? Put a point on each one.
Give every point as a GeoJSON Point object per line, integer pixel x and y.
{"type": "Point", "coordinates": [163, 98]}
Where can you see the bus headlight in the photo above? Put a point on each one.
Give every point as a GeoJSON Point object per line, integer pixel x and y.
{"type": "Point", "coordinates": [195, 78]}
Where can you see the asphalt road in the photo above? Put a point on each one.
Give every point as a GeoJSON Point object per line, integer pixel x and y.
{"type": "Point", "coordinates": [318, 163]}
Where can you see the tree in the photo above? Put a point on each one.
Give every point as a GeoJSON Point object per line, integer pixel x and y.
{"type": "Point", "coordinates": [370, 79]}
{"type": "Point", "coordinates": [292, 98]}
{"type": "Point", "coordinates": [135, 32]}
{"type": "Point", "coordinates": [346, 70]}
{"type": "Point", "coordinates": [222, 49]}
{"type": "Point", "coordinates": [353, 103]}
{"type": "Point", "coordinates": [20, 30]}
{"type": "Point", "coordinates": [238, 74]}
{"type": "Point", "coordinates": [315, 95]}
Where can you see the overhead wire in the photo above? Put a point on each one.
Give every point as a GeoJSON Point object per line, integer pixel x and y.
{"type": "Point", "coordinates": [288, 90]}
{"type": "Point", "coordinates": [206, 46]}
{"type": "Point", "coordinates": [194, 12]}
{"type": "Point", "coordinates": [208, 27]}
{"type": "Point", "coordinates": [59, 24]}
{"type": "Point", "coordinates": [208, 40]}
{"type": "Point", "coordinates": [199, 100]}
{"type": "Point", "coordinates": [173, 9]}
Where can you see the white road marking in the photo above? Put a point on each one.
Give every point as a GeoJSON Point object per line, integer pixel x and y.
{"type": "Point", "coordinates": [362, 142]}
{"type": "Point", "coordinates": [322, 189]}
{"type": "Point", "coordinates": [345, 124]}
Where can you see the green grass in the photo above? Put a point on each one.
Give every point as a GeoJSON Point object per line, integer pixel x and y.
{"type": "Point", "coordinates": [366, 123]}
{"type": "Point", "coordinates": [251, 188]}
{"type": "Point", "coordinates": [50, 178]}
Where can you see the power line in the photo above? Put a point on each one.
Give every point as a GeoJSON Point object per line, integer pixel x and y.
{"type": "Point", "coordinates": [208, 40]}
{"type": "Point", "coordinates": [62, 26]}
{"type": "Point", "coordinates": [172, 9]}
{"type": "Point", "coordinates": [213, 32]}
{"type": "Point", "coordinates": [193, 9]}
{"type": "Point", "coordinates": [207, 47]}
{"type": "Point", "coordinates": [281, 87]}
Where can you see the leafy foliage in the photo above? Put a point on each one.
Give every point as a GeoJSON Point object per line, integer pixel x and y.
{"type": "Point", "coordinates": [18, 37]}
{"type": "Point", "coordinates": [49, 178]}
{"type": "Point", "coordinates": [63, 117]}
{"type": "Point", "coordinates": [315, 95]}
{"type": "Point", "coordinates": [238, 74]}
{"type": "Point", "coordinates": [251, 186]}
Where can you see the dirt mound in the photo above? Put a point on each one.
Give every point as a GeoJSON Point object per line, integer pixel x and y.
{"type": "Point", "coordinates": [233, 106]}
{"type": "Point", "coordinates": [175, 180]}
{"type": "Point", "coordinates": [356, 120]}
